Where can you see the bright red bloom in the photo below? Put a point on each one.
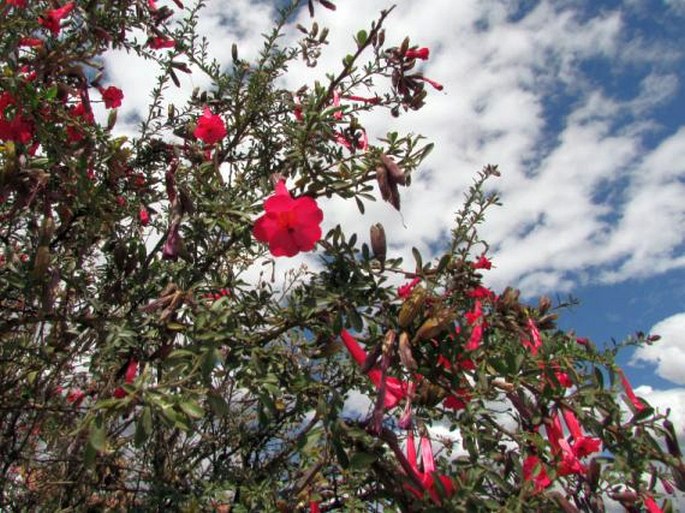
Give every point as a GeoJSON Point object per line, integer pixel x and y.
{"type": "Point", "coordinates": [289, 225]}
{"type": "Point", "coordinates": [405, 290]}
{"type": "Point", "coordinates": [534, 343]}
{"type": "Point", "coordinates": [418, 53]}
{"type": "Point", "coordinates": [482, 263]}
{"type": "Point", "coordinates": [477, 323]}
{"type": "Point", "coordinates": [395, 390]}
{"type": "Point", "coordinates": [18, 129]}
{"type": "Point", "coordinates": [428, 476]}
{"type": "Point", "coordinates": [210, 127]}
{"type": "Point", "coordinates": [76, 397]}
{"type": "Point", "coordinates": [481, 292]}
{"type": "Point", "coordinates": [634, 401]}
{"type": "Point", "coordinates": [144, 216]}
{"type": "Point", "coordinates": [129, 377]}
{"type": "Point", "coordinates": [112, 97]}
{"type": "Point", "coordinates": [30, 41]}
{"type": "Point", "coordinates": [651, 505]}
{"type": "Point", "coordinates": [158, 43]}
{"type": "Point", "coordinates": [433, 83]}
{"type": "Point", "coordinates": [17, 3]}
{"type": "Point", "coordinates": [80, 114]}
{"type": "Point", "coordinates": [314, 507]}
{"type": "Point", "coordinates": [53, 17]}
{"type": "Point", "coordinates": [533, 470]}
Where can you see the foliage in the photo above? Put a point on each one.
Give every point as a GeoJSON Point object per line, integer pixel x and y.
{"type": "Point", "coordinates": [148, 360]}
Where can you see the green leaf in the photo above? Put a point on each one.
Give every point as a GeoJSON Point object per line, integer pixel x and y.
{"type": "Point", "coordinates": [362, 36]}
{"type": "Point", "coordinates": [218, 405]}
{"type": "Point", "coordinates": [417, 258]}
{"type": "Point", "coordinates": [362, 460]}
{"type": "Point", "coordinates": [98, 437]}
{"type": "Point", "coordinates": [192, 409]}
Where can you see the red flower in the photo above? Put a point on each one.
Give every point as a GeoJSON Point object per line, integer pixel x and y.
{"type": "Point", "coordinates": [75, 397]}
{"type": "Point", "coordinates": [144, 216]}
{"type": "Point", "coordinates": [405, 290]}
{"type": "Point", "coordinates": [79, 113]}
{"type": "Point", "coordinates": [476, 321]}
{"type": "Point", "coordinates": [30, 41]}
{"type": "Point", "coordinates": [395, 390]}
{"type": "Point", "coordinates": [651, 505]}
{"type": "Point", "coordinates": [112, 97]}
{"type": "Point", "coordinates": [157, 43]}
{"type": "Point", "coordinates": [534, 343]}
{"type": "Point", "coordinates": [419, 53]}
{"type": "Point", "coordinates": [18, 129]}
{"type": "Point", "coordinates": [52, 18]}
{"type": "Point", "coordinates": [17, 3]}
{"type": "Point", "coordinates": [433, 83]}
{"type": "Point", "coordinates": [314, 507]}
{"type": "Point", "coordinates": [482, 263]}
{"type": "Point", "coordinates": [210, 127]}
{"type": "Point", "coordinates": [634, 401]}
{"type": "Point", "coordinates": [428, 476]}
{"type": "Point", "coordinates": [534, 471]}
{"type": "Point", "coordinates": [289, 225]}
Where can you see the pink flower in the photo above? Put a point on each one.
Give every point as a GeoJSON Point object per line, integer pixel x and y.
{"type": "Point", "coordinates": [634, 401]}
{"type": "Point", "coordinates": [534, 343]}
{"type": "Point", "coordinates": [76, 397]}
{"type": "Point", "coordinates": [651, 505]}
{"type": "Point", "coordinates": [52, 18]}
{"type": "Point", "coordinates": [482, 263]}
{"type": "Point", "coordinates": [372, 101]}
{"type": "Point", "coordinates": [18, 128]}
{"type": "Point", "coordinates": [158, 43]}
{"type": "Point", "coordinates": [289, 225]}
{"type": "Point", "coordinates": [144, 216]}
{"type": "Point", "coordinates": [30, 41]}
{"type": "Point", "coordinates": [405, 290]}
{"type": "Point", "coordinates": [112, 97]}
{"type": "Point", "coordinates": [534, 471]}
{"type": "Point", "coordinates": [418, 53]}
{"type": "Point", "coordinates": [338, 114]}
{"type": "Point", "coordinates": [395, 390]}
{"type": "Point", "coordinates": [476, 321]}
{"type": "Point", "coordinates": [428, 477]}
{"type": "Point", "coordinates": [210, 128]}
{"type": "Point", "coordinates": [433, 83]}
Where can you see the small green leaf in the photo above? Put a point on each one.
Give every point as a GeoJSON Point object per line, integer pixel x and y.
{"type": "Point", "coordinates": [362, 36]}
{"type": "Point", "coordinates": [417, 258]}
{"type": "Point", "coordinates": [98, 437]}
{"type": "Point", "coordinates": [361, 460]}
{"type": "Point", "coordinates": [192, 409]}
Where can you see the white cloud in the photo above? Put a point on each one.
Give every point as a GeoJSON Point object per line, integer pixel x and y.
{"type": "Point", "coordinates": [668, 353]}
{"type": "Point", "coordinates": [585, 197]}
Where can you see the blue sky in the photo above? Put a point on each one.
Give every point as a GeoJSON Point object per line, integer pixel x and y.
{"type": "Point", "coordinates": [582, 105]}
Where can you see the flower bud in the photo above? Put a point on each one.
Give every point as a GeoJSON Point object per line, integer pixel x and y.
{"type": "Point", "coordinates": [378, 243]}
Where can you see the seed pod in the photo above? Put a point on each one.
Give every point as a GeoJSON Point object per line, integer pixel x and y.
{"type": "Point", "coordinates": [428, 394]}
{"type": "Point", "coordinates": [41, 262]}
{"type": "Point", "coordinates": [406, 356]}
{"type": "Point", "coordinates": [435, 325]}
{"type": "Point", "coordinates": [378, 243]}
{"type": "Point", "coordinates": [394, 172]}
{"type": "Point", "coordinates": [411, 307]}
{"type": "Point", "coordinates": [382, 179]}
{"type": "Point", "coordinates": [234, 52]}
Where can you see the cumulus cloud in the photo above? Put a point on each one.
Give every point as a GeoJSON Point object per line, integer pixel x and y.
{"type": "Point", "coordinates": [668, 353]}
{"type": "Point", "coordinates": [563, 98]}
